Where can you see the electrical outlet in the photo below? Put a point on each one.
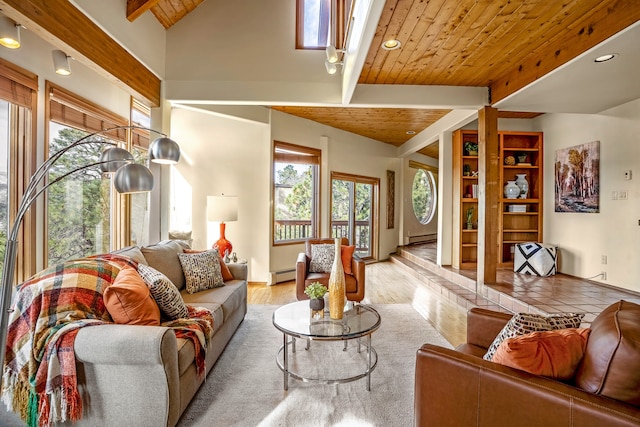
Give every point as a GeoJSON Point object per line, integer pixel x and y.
{"type": "Point", "coordinates": [604, 275]}
{"type": "Point", "coordinates": [622, 194]}
{"type": "Point", "coordinates": [603, 259]}
{"type": "Point", "coordinates": [627, 175]}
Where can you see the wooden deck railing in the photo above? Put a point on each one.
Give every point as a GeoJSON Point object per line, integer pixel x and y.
{"type": "Point", "coordinates": [301, 229]}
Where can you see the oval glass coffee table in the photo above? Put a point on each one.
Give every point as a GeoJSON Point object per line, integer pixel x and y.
{"type": "Point", "coordinates": [296, 320]}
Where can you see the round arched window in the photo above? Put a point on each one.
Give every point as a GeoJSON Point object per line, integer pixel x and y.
{"type": "Point", "coordinates": [423, 196]}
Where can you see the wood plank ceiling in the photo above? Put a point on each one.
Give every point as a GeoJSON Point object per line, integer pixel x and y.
{"type": "Point", "coordinates": [167, 12]}
{"type": "Point", "coordinates": [500, 44]}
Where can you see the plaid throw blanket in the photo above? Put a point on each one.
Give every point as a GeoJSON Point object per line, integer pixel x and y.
{"type": "Point", "coordinates": [39, 377]}
{"type": "Point", "coordinates": [197, 328]}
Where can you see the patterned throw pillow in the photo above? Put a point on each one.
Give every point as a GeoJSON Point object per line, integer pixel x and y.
{"type": "Point", "coordinates": [525, 323]}
{"type": "Point", "coordinates": [201, 271]}
{"type": "Point", "coordinates": [224, 268]}
{"type": "Point", "coordinates": [165, 293]}
{"type": "Point", "coordinates": [322, 258]}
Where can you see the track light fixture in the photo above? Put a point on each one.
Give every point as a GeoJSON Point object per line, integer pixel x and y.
{"type": "Point", "coordinates": [333, 54]}
{"type": "Point", "coordinates": [61, 62]}
{"type": "Point", "coordinates": [9, 33]}
{"type": "Point", "coordinates": [332, 67]}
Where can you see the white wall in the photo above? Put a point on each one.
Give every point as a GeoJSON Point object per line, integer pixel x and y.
{"type": "Point", "coordinates": [230, 156]}
{"type": "Point", "coordinates": [409, 225]}
{"type": "Point", "coordinates": [145, 38]}
{"type": "Point", "coordinates": [341, 152]}
{"type": "Point", "coordinates": [233, 156]}
{"type": "Point", "coordinates": [35, 56]}
{"type": "Point", "coordinates": [615, 232]}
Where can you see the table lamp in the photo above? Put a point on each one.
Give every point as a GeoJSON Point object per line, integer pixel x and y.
{"type": "Point", "coordinates": [220, 209]}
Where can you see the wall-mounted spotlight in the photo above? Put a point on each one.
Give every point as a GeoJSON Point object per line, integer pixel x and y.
{"type": "Point", "coordinates": [332, 67]}
{"type": "Point", "coordinates": [9, 33]}
{"type": "Point", "coordinates": [333, 54]}
{"type": "Point", "coordinates": [61, 62]}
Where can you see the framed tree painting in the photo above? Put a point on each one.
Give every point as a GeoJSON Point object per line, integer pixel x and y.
{"type": "Point", "coordinates": [391, 196]}
{"type": "Point", "coordinates": [577, 178]}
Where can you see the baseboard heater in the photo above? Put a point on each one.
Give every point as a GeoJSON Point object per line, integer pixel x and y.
{"type": "Point", "coordinates": [282, 276]}
{"type": "Point", "coordinates": [422, 238]}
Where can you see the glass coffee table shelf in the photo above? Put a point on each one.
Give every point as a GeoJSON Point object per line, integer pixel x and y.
{"type": "Point", "coordinates": [348, 363]}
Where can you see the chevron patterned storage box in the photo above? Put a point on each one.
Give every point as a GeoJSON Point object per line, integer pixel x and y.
{"type": "Point", "coordinates": [537, 259]}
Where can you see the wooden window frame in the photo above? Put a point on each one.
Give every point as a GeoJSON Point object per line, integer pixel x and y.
{"type": "Point", "coordinates": [375, 206]}
{"type": "Point", "coordinates": [66, 108]}
{"type": "Point", "coordinates": [300, 155]}
{"type": "Point", "coordinates": [140, 139]}
{"type": "Point", "coordinates": [20, 87]}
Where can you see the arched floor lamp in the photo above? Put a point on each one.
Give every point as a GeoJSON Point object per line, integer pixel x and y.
{"type": "Point", "coordinates": [129, 177]}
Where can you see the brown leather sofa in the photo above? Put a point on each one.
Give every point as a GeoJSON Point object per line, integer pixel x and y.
{"type": "Point", "coordinates": [459, 388]}
{"type": "Point", "coordinates": [354, 282]}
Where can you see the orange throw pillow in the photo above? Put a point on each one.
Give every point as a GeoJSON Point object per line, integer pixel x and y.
{"type": "Point", "coordinates": [554, 354]}
{"type": "Point", "coordinates": [129, 301]}
{"type": "Point", "coordinates": [224, 269]}
{"type": "Point", "coordinates": [346, 253]}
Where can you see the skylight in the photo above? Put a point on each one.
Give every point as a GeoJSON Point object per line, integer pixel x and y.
{"type": "Point", "coordinates": [313, 19]}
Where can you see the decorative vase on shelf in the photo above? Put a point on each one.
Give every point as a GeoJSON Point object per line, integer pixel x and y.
{"type": "Point", "coordinates": [523, 184]}
{"type": "Point", "coordinates": [511, 190]}
{"type": "Point", "coordinates": [336, 286]}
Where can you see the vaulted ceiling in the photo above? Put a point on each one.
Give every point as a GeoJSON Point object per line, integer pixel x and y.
{"type": "Point", "coordinates": [499, 44]}
{"type": "Point", "coordinates": [502, 46]}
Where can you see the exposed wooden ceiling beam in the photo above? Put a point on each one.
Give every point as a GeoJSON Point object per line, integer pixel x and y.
{"type": "Point", "coordinates": [597, 27]}
{"type": "Point", "coordinates": [66, 27]}
{"type": "Point", "coordinates": [135, 8]}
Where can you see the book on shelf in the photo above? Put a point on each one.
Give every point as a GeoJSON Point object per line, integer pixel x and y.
{"type": "Point", "coordinates": [474, 191]}
{"type": "Point", "coordinates": [517, 208]}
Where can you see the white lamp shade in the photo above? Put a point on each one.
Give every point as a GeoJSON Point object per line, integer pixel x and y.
{"type": "Point", "coordinates": [222, 208]}
{"type": "Point", "coordinates": [9, 33]}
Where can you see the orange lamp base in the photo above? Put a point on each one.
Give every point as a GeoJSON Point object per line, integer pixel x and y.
{"type": "Point", "coordinates": [223, 245]}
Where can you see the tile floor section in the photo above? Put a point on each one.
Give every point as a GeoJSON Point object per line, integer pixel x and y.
{"type": "Point", "coordinates": [513, 292]}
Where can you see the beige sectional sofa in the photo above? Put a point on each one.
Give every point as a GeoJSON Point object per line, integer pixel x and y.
{"type": "Point", "coordinates": [131, 375]}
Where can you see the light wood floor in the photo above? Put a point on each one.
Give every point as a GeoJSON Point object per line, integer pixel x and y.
{"type": "Point", "coordinates": [386, 283]}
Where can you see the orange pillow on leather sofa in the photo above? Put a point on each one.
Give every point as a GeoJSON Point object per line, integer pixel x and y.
{"type": "Point", "coordinates": [554, 354]}
{"type": "Point", "coordinates": [129, 301]}
{"type": "Point", "coordinates": [346, 253]}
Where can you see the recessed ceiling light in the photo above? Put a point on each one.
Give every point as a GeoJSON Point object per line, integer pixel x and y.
{"type": "Point", "coordinates": [605, 58]}
{"type": "Point", "coordinates": [411, 132]}
{"type": "Point", "coordinates": [391, 44]}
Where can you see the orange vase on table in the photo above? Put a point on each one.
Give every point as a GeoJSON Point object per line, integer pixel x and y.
{"type": "Point", "coordinates": [336, 286]}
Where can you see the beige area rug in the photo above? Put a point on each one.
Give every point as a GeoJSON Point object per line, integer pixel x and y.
{"type": "Point", "coordinates": [245, 387]}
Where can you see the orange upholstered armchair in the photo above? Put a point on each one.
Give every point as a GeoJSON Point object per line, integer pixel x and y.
{"type": "Point", "coordinates": [354, 282]}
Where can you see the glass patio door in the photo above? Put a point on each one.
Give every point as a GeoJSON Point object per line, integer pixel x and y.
{"type": "Point", "coordinates": [353, 208]}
